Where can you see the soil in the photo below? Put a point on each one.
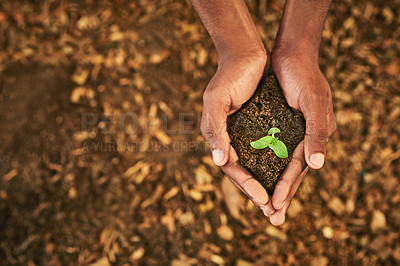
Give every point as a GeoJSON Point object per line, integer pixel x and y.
{"type": "Point", "coordinates": [266, 109]}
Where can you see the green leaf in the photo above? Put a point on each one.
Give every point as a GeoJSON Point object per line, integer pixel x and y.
{"type": "Point", "coordinates": [262, 143]}
{"type": "Point", "coordinates": [273, 130]}
{"type": "Point", "coordinates": [279, 148]}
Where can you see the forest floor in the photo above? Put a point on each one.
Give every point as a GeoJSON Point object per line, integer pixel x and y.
{"type": "Point", "coordinates": [102, 162]}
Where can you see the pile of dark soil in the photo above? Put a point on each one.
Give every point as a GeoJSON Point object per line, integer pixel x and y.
{"type": "Point", "coordinates": [266, 109]}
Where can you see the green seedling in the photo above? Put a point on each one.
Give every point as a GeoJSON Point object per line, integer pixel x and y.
{"type": "Point", "coordinates": [271, 141]}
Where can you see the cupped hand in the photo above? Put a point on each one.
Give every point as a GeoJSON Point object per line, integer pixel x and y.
{"type": "Point", "coordinates": [307, 92]}
{"type": "Point", "coordinates": [233, 84]}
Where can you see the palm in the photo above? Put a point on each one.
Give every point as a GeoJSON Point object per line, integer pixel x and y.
{"type": "Point", "coordinates": [299, 82]}
{"type": "Point", "coordinates": [306, 91]}
{"type": "Point", "coordinates": [232, 85]}
{"type": "Point", "coordinates": [235, 85]}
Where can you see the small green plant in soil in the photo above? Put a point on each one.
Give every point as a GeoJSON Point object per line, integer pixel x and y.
{"type": "Point", "coordinates": [271, 141]}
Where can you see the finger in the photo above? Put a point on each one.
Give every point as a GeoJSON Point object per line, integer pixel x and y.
{"type": "Point", "coordinates": [331, 120]}
{"type": "Point", "coordinates": [213, 128]}
{"type": "Point", "coordinates": [314, 108]}
{"type": "Point", "coordinates": [279, 217]}
{"type": "Point", "coordinates": [297, 183]}
{"type": "Point", "coordinates": [268, 210]}
{"type": "Point", "coordinates": [247, 183]}
{"type": "Point", "coordinates": [289, 176]}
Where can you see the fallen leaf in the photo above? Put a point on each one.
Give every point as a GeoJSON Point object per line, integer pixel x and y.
{"type": "Point", "coordinates": [217, 259]}
{"type": "Point", "coordinates": [319, 261]}
{"type": "Point", "coordinates": [241, 262]}
{"type": "Point", "coordinates": [295, 208]}
{"type": "Point", "coordinates": [275, 232]}
{"type": "Point", "coordinates": [327, 232]}
{"type": "Point", "coordinates": [225, 232]}
{"type": "Point", "coordinates": [80, 76]}
{"type": "Point", "coordinates": [234, 200]}
{"type": "Point", "coordinates": [337, 206]}
{"type": "Point", "coordinates": [137, 254]}
{"type": "Point", "coordinates": [158, 57]}
{"type": "Point", "coordinates": [171, 193]}
{"type": "Point", "coordinates": [101, 262]}
{"type": "Point", "coordinates": [186, 218]}
{"type": "Point", "coordinates": [378, 221]}
{"type": "Point", "coordinates": [10, 175]}
{"type": "Point", "coordinates": [195, 194]}
{"type": "Point", "coordinates": [163, 138]}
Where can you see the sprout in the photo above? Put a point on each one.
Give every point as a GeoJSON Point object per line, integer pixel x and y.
{"type": "Point", "coordinates": [271, 141]}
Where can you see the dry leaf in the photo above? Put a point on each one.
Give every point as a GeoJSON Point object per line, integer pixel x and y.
{"type": "Point", "coordinates": [77, 94]}
{"type": "Point", "coordinates": [234, 200]}
{"type": "Point", "coordinates": [10, 175]}
{"type": "Point", "coordinates": [202, 176]}
{"type": "Point", "coordinates": [378, 221]}
{"type": "Point", "coordinates": [217, 259]}
{"type": "Point", "coordinates": [137, 254]}
{"type": "Point", "coordinates": [80, 76]}
{"type": "Point", "coordinates": [241, 262]}
{"type": "Point", "coordinates": [163, 138]}
{"type": "Point", "coordinates": [88, 23]}
{"type": "Point", "coordinates": [319, 261]}
{"type": "Point", "coordinates": [101, 262]}
{"type": "Point", "coordinates": [225, 232]}
{"type": "Point", "coordinates": [275, 232]}
{"type": "Point", "coordinates": [158, 57]}
{"type": "Point", "coordinates": [327, 232]}
{"type": "Point", "coordinates": [116, 36]}
{"type": "Point", "coordinates": [337, 206]}
{"type": "Point", "coordinates": [171, 193]}
{"type": "Point", "coordinates": [169, 220]}
{"type": "Point", "coordinates": [295, 208]}
{"type": "Point", "coordinates": [72, 193]}
{"type": "Point", "coordinates": [81, 136]}
{"type": "Point", "coordinates": [186, 218]}
{"type": "Point", "coordinates": [195, 194]}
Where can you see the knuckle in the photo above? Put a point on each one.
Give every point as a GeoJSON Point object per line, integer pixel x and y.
{"type": "Point", "coordinates": [234, 182]}
{"type": "Point", "coordinates": [248, 179]}
{"type": "Point", "coordinates": [318, 135]}
{"type": "Point", "coordinates": [208, 133]}
{"type": "Point", "coordinates": [320, 96]}
{"type": "Point", "coordinates": [297, 161]}
{"type": "Point", "coordinates": [284, 182]}
{"type": "Point", "coordinates": [332, 129]}
{"type": "Point", "coordinates": [314, 97]}
{"type": "Point", "coordinates": [231, 162]}
{"type": "Point", "coordinates": [332, 124]}
{"type": "Point", "coordinates": [206, 96]}
{"type": "Point", "coordinates": [209, 96]}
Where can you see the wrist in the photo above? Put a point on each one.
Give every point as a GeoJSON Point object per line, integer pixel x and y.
{"type": "Point", "coordinates": [300, 53]}
{"type": "Point", "coordinates": [301, 28]}
{"type": "Point", "coordinates": [301, 49]}
{"type": "Point", "coordinates": [248, 54]}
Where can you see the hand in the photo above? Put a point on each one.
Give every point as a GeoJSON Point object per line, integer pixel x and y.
{"type": "Point", "coordinates": [232, 85]}
{"type": "Point", "coordinates": [306, 91]}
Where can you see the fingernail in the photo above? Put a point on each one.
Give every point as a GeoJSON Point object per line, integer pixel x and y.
{"type": "Point", "coordinates": [317, 159]}
{"type": "Point", "coordinates": [256, 192]}
{"type": "Point", "coordinates": [267, 211]}
{"type": "Point", "coordinates": [218, 157]}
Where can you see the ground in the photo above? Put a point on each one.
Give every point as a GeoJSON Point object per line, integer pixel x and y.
{"type": "Point", "coordinates": [102, 161]}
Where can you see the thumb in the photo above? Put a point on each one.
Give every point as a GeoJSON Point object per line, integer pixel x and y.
{"type": "Point", "coordinates": [316, 138]}
{"type": "Point", "coordinates": [213, 128]}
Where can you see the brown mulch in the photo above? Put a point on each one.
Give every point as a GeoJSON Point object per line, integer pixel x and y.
{"type": "Point", "coordinates": [77, 191]}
